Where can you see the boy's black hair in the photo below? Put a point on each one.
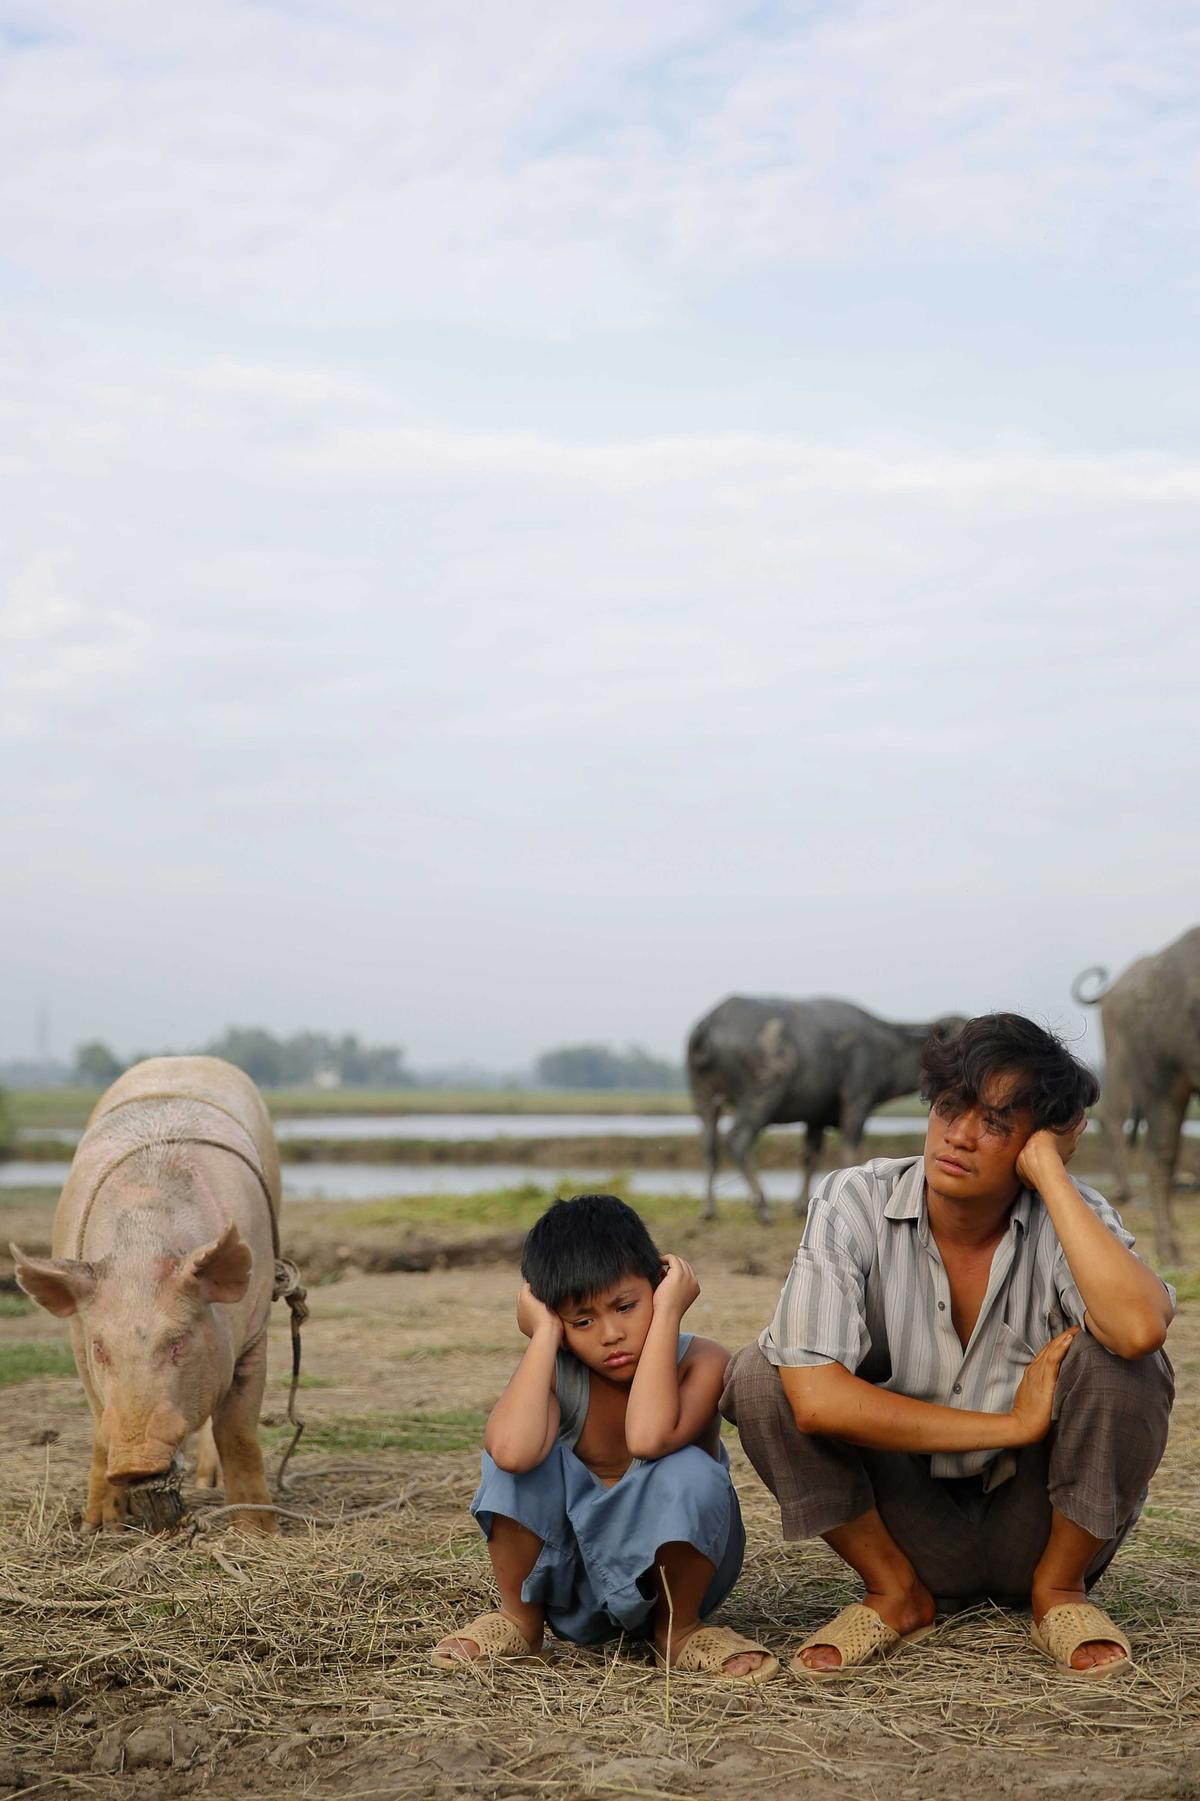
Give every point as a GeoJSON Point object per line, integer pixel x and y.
{"type": "Point", "coordinates": [582, 1246]}
{"type": "Point", "coordinates": [1054, 1086]}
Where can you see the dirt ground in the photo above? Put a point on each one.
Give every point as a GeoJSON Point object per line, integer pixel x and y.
{"type": "Point", "coordinates": [208, 1663]}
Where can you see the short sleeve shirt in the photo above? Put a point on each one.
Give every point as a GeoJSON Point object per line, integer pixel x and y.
{"type": "Point", "coordinates": [867, 1289]}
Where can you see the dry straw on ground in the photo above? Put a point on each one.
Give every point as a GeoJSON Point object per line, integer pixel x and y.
{"type": "Point", "coordinates": [300, 1665]}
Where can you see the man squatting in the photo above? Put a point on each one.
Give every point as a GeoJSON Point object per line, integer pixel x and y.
{"type": "Point", "coordinates": [963, 1389]}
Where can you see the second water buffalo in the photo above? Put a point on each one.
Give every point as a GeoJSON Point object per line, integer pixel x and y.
{"type": "Point", "coordinates": [1151, 1017]}
{"type": "Point", "coordinates": [823, 1063]}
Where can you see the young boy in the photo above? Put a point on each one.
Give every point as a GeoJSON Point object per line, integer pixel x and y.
{"type": "Point", "coordinates": [606, 1499]}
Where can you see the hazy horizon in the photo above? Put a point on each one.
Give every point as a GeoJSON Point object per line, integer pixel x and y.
{"type": "Point", "coordinates": [520, 524]}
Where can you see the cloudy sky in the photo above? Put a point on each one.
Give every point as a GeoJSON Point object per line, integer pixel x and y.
{"type": "Point", "coordinates": [520, 520]}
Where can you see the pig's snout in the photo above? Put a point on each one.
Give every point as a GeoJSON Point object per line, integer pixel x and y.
{"type": "Point", "coordinates": [140, 1457]}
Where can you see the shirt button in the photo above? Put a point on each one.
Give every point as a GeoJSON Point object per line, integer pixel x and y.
{"type": "Point", "coordinates": [941, 1306]}
{"type": "Point", "coordinates": [958, 1388]}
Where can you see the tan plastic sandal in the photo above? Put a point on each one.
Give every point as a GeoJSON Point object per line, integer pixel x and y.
{"type": "Point", "coordinates": [706, 1651]}
{"type": "Point", "coordinates": [1074, 1623]}
{"type": "Point", "coordinates": [861, 1635]}
{"type": "Point", "coordinates": [495, 1634]}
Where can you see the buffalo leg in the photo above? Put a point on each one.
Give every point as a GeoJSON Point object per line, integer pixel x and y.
{"type": "Point", "coordinates": [235, 1430]}
{"type": "Point", "coordinates": [710, 1118]}
{"type": "Point", "coordinates": [810, 1157]}
{"type": "Point", "coordinates": [1164, 1123]}
{"type": "Point", "coordinates": [742, 1135]}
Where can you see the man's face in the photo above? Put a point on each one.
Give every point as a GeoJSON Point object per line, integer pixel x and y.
{"type": "Point", "coordinates": [607, 1331]}
{"type": "Point", "coordinates": [971, 1152]}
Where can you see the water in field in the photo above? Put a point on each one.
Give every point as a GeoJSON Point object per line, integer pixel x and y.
{"type": "Point", "coordinates": [381, 1181]}
{"type": "Point", "coordinates": [454, 1127]}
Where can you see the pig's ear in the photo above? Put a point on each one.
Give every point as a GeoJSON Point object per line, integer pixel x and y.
{"type": "Point", "coordinates": [219, 1271]}
{"type": "Point", "coordinates": [55, 1283]}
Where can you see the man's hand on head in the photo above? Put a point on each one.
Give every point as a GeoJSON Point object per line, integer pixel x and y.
{"type": "Point", "coordinates": [1046, 1150]}
{"type": "Point", "coordinates": [678, 1287]}
{"type": "Point", "coordinates": [533, 1316]}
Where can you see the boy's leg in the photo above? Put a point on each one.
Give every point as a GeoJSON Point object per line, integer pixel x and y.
{"type": "Point", "coordinates": [514, 1550]}
{"type": "Point", "coordinates": [682, 1578]}
{"type": "Point", "coordinates": [519, 1513]}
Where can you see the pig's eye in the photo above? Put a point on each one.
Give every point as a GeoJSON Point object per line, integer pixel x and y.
{"type": "Point", "coordinates": [99, 1352]}
{"type": "Point", "coordinates": [175, 1346]}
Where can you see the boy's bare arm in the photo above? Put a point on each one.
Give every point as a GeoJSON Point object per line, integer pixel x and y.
{"type": "Point", "coordinates": [523, 1424]}
{"type": "Point", "coordinates": [672, 1405]}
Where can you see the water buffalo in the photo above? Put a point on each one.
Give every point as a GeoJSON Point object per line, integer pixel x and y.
{"type": "Point", "coordinates": [1151, 1018]}
{"type": "Point", "coordinates": [774, 1062]}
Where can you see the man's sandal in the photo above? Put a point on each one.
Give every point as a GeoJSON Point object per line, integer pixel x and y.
{"type": "Point", "coordinates": [706, 1651]}
{"type": "Point", "coordinates": [861, 1635]}
{"type": "Point", "coordinates": [1074, 1623]}
{"type": "Point", "coordinates": [495, 1634]}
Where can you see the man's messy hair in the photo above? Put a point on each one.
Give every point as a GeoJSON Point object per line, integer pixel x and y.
{"type": "Point", "coordinates": [580, 1247]}
{"type": "Point", "coordinates": [1054, 1086]}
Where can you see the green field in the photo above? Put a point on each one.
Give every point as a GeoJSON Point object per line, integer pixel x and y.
{"type": "Point", "coordinates": [50, 1107]}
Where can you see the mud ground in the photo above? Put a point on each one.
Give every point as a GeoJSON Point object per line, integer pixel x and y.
{"type": "Point", "coordinates": [209, 1664]}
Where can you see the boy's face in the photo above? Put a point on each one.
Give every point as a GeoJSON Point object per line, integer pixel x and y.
{"type": "Point", "coordinates": [607, 1331]}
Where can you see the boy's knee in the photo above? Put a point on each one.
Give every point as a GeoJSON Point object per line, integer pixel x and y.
{"type": "Point", "coordinates": [692, 1472]}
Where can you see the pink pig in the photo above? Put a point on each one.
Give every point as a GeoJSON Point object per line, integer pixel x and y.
{"type": "Point", "coordinates": [164, 1261]}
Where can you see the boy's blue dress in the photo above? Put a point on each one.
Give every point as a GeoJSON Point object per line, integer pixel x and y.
{"type": "Point", "coordinates": [594, 1576]}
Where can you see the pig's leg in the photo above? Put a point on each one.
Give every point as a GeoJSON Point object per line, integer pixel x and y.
{"type": "Point", "coordinates": [208, 1464]}
{"type": "Point", "coordinates": [107, 1508]}
{"type": "Point", "coordinates": [235, 1430]}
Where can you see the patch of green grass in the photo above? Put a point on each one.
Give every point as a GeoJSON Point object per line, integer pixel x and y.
{"type": "Point", "coordinates": [1187, 1288]}
{"type": "Point", "coordinates": [50, 1106]}
{"type": "Point", "coordinates": [13, 1198]}
{"type": "Point", "coordinates": [500, 1208]}
{"type": "Point", "coordinates": [461, 1431]}
{"type": "Point", "coordinates": [22, 1360]}
{"type": "Point", "coordinates": [15, 1306]}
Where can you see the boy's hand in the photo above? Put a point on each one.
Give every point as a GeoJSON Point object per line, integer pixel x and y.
{"type": "Point", "coordinates": [678, 1288]}
{"type": "Point", "coordinates": [1042, 1150]}
{"type": "Point", "coordinates": [533, 1316]}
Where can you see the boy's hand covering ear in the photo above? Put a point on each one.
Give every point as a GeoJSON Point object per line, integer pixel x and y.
{"type": "Point", "coordinates": [677, 1288]}
{"type": "Point", "coordinates": [533, 1316]}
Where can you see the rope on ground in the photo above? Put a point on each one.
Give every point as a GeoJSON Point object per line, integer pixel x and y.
{"type": "Point", "coordinates": [289, 1287]}
{"type": "Point", "coordinates": [202, 1521]}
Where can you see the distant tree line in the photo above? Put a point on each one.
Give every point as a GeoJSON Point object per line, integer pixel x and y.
{"type": "Point", "coordinates": [600, 1066]}
{"type": "Point", "coordinates": [305, 1059]}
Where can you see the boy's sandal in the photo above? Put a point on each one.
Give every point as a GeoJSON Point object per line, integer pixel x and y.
{"type": "Point", "coordinates": [861, 1635]}
{"type": "Point", "coordinates": [495, 1634]}
{"type": "Point", "coordinates": [706, 1651]}
{"type": "Point", "coordinates": [1065, 1628]}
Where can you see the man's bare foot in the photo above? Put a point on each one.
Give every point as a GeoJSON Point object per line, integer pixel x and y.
{"type": "Point", "coordinates": [1094, 1651]}
{"type": "Point", "coordinates": [743, 1663]}
{"type": "Point", "coordinates": [905, 1611]}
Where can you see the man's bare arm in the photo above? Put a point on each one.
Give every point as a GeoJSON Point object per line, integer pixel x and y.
{"type": "Point", "coordinates": [1128, 1308]}
{"type": "Point", "coordinates": [832, 1403]}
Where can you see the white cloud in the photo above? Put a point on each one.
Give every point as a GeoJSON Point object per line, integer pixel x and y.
{"type": "Point", "coordinates": [561, 165]}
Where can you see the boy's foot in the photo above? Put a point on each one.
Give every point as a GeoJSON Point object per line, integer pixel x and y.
{"type": "Point", "coordinates": [716, 1651]}
{"type": "Point", "coordinates": [491, 1635]}
{"type": "Point", "coordinates": [905, 1614]}
{"type": "Point", "coordinates": [1092, 1653]}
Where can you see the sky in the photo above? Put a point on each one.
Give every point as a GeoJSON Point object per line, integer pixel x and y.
{"type": "Point", "coordinates": [517, 522]}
